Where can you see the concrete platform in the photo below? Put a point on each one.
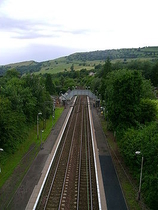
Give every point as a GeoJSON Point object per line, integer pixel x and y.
{"type": "Point", "coordinates": [36, 192]}
{"type": "Point", "coordinates": [114, 196]}
{"type": "Point", "coordinates": [31, 179]}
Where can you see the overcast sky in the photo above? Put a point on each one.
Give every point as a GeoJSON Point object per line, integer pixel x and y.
{"type": "Point", "coordinates": [46, 29]}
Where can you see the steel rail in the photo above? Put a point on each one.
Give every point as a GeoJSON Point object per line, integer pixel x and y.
{"type": "Point", "coordinates": [95, 164]}
{"type": "Point", "coordinates": [87, 158]}
{"type": "Point", "coordinates": [48, 196]}
{"type": "Point", "coordinates": [43, 183]}
{"type": "Point", "coordinates": [89, 155]}
{"type": "Point", "coordinates": [77, 178]}
{"type": "Point", "coordinates": [79, 173]}
{"type": "Point", "coordinates": [68, 162]}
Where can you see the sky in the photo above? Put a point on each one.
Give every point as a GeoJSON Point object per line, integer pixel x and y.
{"type": "Point", "coordinates": [42, 30]}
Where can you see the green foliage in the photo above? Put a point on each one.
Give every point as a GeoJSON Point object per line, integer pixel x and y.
{"type": "Point", "coordinates": [147, 90]}
{"type": "Point", "coordinates": [91, 60]}
{"type": "Point", "coordinates": [9, 161]}
{"type": "Point", "coordinates": [123, 93]}
{"type": "Point", "coordinates": [107, 68]}
{"type": "Point", "coordinates": [72, 67]}
{"type": "Point", "coordinates": [132, 113]}
{"type": "Point", "coordinates": [21, 98]}
{"type": "Point", "coordinates": [154, 75]}
{"type": "Point", "coordinates": [50, 87]}
{"type": "Point", "coordinates": [144, 52]}
{"type": "Point", "coordinates": [145, 140]}
{"type": "Point", "coordinates": [148, 111]}
{"type": "Point", "coordinates": [12, 126]}
{"type": "Point", "coordinates": [22, 67]}
{"type": "Point", "coordinates": [69, 83]}
{"type": "Point", "coordinates": [95, 84]}
{"type": "Point", "coordinates": [103, 74]}
{"type": "Point", "coordinates": [13, 73]}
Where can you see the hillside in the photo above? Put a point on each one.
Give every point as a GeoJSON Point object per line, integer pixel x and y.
{"type": "Point", "coordinates": [129, 53]}
{"type": "Point", "coordinates": [82, 60]}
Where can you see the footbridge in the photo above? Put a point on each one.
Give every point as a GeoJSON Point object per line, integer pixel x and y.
{"type": "Point", "coordinates": [69, 94]}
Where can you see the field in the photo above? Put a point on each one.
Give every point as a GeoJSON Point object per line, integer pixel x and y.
{"type": "Point", "coordinates": [61, 65]}
{"type": "Point", "coordinates": [84, 60]}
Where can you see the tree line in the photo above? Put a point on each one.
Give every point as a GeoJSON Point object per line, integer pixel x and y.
{"type": "Point", "coordinates": [126, 53]}
{"type": "Point", "coordinates": [21, 99]}
{"type": "Point", "coordinates": [129, 98]}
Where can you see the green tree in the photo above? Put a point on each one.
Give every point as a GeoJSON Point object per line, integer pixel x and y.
{"type": "Point", "coordinates": [21, 98]}
{"type": "Point", "coordinates": [107, 67]}
{"type": "Point", "coordinates": [12, 73]}
{"type": "Point", "coordinates": [12, 126]}
{"type": "Point", "coordinates": [49, 84]}
{"type": "Point", "coordinates": [148, 111]}
{"type": "Point", "coordinates": [62, 81]}
{"type": "Point", "coordinates": [144, 139]}
{"type": "Point", "coordinates": [72, 67]}
{"type": "Point", "coordinates": [154, 75]}
{"type": "Point", "coordinates": [123, 94]}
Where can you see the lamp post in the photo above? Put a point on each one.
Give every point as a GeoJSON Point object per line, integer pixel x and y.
{"type": "Point", "coordinates": [41, 138]}
{"type": "Point", "coordinates": [40, 113]}
{"type": "Point", "coordinates": [53, 116]}
{"type": "Point", "coordinates": [141, 172]}
{"type": "Point", "coordinates": [53, 111]}
{"type": "Point", "coordinates": [1, 151]}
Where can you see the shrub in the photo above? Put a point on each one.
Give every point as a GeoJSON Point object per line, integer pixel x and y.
{"type": "Point", "coordinates": [148, 111]}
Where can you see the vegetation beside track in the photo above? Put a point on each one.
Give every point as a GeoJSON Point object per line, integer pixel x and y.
{"type": "Point", "coordinates": [128, 183]}
{"type": "Point", "coordinates": [10, 161]}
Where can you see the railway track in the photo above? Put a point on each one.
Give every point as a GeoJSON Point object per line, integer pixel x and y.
{"type": "Point", "coordinates": [71, 183]}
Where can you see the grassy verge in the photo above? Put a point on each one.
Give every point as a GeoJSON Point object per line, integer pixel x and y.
{"type": "Point", "coordinates": [127, 183]}
{"type": "Point", "coordinates": [10, 161]}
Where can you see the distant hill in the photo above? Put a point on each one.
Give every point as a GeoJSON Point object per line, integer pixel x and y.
{"type": "Point", "coordinates": [82, 60]}
{"type": "Point", "coordinates": [145, 52]}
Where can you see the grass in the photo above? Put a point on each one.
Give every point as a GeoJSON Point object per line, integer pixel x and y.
{"type": "Point", "coordinates": [23, 63]}
{"type": "Point", "coordinates": [10, 161]}
{"type": "Point", "coordinates": [59, 65]}
{"type": "Point", "coordinates": [126, 181]}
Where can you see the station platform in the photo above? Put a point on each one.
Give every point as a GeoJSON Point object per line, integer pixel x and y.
{"type": "Point", "coordinates": [31, 179]}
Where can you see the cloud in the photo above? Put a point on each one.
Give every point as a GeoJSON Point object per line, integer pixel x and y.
{"type": "Point", "coordinates": [30, 29]}
{"type": "Point", "coordinates": [36, 52]}
{"type": "Point", "coordinates": [40, 52]}
{"type": "Point", "coordinates": [28, 25]}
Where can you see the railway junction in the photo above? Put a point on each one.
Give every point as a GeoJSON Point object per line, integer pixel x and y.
{"type": "Point", "coordinates": [87, 180]}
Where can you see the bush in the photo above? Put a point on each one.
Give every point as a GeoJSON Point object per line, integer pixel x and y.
{"type": "Point", "coordinates": [148, 111]}
{"type": "Point", "coordinates": [144, 139]}
{"type": "Point", "coordinates": [122, 96]}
